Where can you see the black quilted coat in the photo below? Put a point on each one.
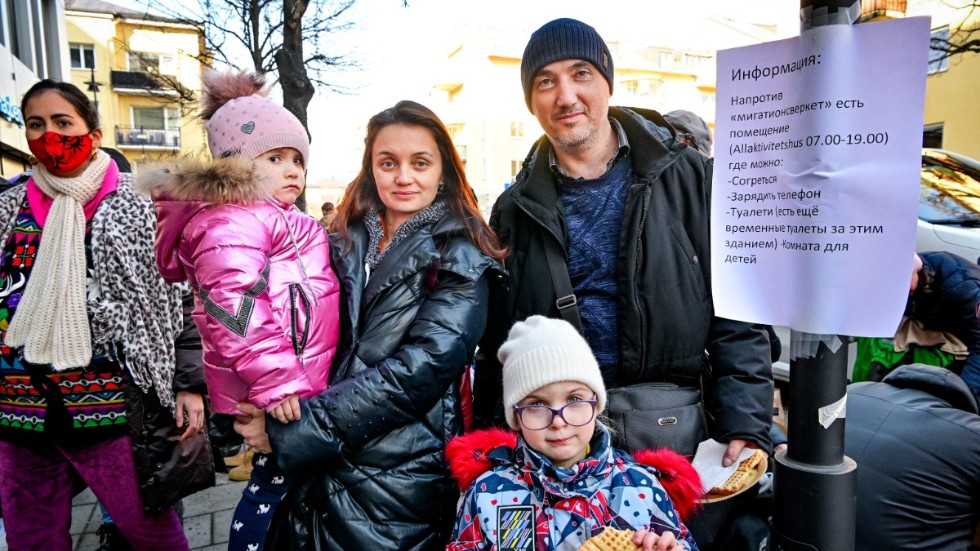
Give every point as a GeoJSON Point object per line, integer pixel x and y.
{"type": "Point", "coordinates": [369, 450]}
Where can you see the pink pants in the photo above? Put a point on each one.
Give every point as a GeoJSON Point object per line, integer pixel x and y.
{"type": "Point", "coordinates": [35, 490]}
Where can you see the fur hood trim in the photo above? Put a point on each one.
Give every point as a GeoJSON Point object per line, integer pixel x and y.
{"type": "Point", "coordinates": [232, 180]}
{"type": "Point", "coordinates": [467, 454]}
{"type": "Point", "coordinates": [468, 459]}
{"type": "Point", "coordinates": [677, 476]}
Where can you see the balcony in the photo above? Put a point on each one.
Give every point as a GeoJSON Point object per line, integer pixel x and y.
{"type": "Point", "coordinates": [142, 84]}
{"type": "Point", "coordinates": [133, 137]}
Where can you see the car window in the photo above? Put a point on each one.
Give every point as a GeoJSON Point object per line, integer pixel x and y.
{"type": "Point", "coordinates": [950, 190]}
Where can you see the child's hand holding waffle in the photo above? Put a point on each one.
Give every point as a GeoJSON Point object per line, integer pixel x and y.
{"type": "Point", "coordinates": [612, 539]}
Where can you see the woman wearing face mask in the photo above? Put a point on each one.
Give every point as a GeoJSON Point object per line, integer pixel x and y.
{"type": "Point", "coordinates": [414, 259]}
{"type": "Point", "coordinates": [94, 344]}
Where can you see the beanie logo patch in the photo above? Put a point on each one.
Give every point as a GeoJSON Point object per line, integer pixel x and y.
{"type": "Point", "coordinates": [605, 61]}
{"type": "Point", "coordinates": [248, 127]}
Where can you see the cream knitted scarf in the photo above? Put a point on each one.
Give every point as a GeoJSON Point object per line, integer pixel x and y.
{"type": "Point", "coordinates": [51, 321]}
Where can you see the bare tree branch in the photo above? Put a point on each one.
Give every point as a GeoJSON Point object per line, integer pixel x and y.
{"type": "Point", "coordinates": [964, 37]}
{"type": "Point", "coordinates": [272, 35]}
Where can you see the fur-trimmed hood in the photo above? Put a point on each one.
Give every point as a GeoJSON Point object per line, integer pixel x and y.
{"type": "Point", "coordinates": [469, 456]}
{"type": "Point", "coordinates": [231, 180]}
{"type": "Point", "coordinates": [184, 188]}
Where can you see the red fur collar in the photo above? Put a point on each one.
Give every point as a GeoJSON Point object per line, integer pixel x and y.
{"type": "Point", "coordinates": [467, 456]}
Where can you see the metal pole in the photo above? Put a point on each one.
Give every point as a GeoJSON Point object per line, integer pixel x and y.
{"type": "Point", "coordinates": [94, 88]}
{"type": "Point", "coordinates": [814, 484]}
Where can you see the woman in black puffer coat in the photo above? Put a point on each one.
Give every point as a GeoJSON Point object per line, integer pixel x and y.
{"type": "Point", "coordinates": [415, 260]}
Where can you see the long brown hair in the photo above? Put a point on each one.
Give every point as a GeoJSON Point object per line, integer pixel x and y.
{"type": "Point", "coordinates": [362, 193]}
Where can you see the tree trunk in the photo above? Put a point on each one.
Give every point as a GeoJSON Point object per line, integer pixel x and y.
{"type": "Point", "coordinates": [297, 89]}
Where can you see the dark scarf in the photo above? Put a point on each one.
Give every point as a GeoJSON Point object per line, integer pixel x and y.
{"type": "Point", "coordinates": [372, 222]}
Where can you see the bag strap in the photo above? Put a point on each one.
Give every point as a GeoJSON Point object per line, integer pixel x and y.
{"type": "Point", "coordinates": [567, 303]}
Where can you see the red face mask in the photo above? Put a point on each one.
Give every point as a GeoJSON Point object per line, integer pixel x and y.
{"type": "Point", "coordinates": [61, 154]}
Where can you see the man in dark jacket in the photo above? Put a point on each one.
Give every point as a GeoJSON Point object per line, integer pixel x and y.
{"type": "Point", "coordinates": [945, 296]}
{"type": "Point", "coordinates": [916, 439]}
{"type": "Point", "coordinates": [616, 197]}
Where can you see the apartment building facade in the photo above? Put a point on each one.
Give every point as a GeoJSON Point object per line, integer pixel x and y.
{"type": "Point", "coordinates": [144, 72]}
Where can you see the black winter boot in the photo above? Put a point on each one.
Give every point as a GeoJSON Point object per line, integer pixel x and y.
{"type": "Point", "coordinates": [111, 539]}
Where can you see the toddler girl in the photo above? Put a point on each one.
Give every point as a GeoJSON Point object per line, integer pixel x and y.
{"type": "Point", "coordinates": [266, 298]}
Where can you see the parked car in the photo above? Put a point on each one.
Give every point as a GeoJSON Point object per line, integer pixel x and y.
{"type": "Point", "coordinates": [949, 204]}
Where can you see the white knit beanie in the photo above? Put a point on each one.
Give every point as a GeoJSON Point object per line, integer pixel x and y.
{"type": "Point", "coordinates": [540, 351]}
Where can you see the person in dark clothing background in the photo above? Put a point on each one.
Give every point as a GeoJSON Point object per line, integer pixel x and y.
{"type": "Point", "coordinates": [121, 161]}
{"type": "Point", "coordinates": [944, 295]}
{"type": "Point", "coordinates": [916, 439]}
{"type": "Point", "coordinates": [691, 129]}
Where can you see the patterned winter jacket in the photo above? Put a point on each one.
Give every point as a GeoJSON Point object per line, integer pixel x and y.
{"type": "Point", "coordinates": [266, 298]}
{"type": "Point", "coordinates": [525, 503]}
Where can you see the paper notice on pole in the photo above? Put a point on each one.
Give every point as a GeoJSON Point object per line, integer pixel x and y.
{"type": "Point", "coordinates": [818, 143]}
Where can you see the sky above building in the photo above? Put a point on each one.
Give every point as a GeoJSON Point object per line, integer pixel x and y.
{"type": "Point", "coordinates": [400, 49]}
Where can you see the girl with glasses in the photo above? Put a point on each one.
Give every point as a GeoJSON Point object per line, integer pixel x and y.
{"type": "Point", "coordinates": [558, 481]}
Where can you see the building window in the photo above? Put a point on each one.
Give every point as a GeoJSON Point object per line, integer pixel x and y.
{"type": "Point", "coordinates": [695, 61]}
{"type": "Point", "coordinates": [643, 87]}
{"type": "Point", "coordinates": [156, 64]}
{"type": "Point", "coordinates": [938, 62]}
{"type": "Point", "coordinates": [152, 127]}
{"type": "Point", "coordinates": [517, 129]}
{"type": "Point", "coordinates": [82, 56]}
{"type": "Point", "coordinates": [17, 24]}
{"type": "Point", "coordinates": [515, 167]}
{"type": "Point", "coordinates": [454, 130]}
{"type": "Point", "coordinates": [159, 118]}
{"type": "Point", "coordinates": [932, 136]}
{"type": "Point", "coordinates": [665, 58]}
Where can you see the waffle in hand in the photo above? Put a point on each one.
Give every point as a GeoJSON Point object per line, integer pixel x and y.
{"type": "Point", "coordinates": [610, 539]}
{"type": "Point", "coordinates": [743, 475]}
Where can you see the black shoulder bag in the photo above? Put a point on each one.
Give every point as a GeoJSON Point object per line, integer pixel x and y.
{"type": "Point", "coordinates": [645, 415]}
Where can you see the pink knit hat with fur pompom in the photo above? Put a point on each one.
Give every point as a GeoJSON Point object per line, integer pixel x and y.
{"type": "Point", "coordinates": [241, 120]}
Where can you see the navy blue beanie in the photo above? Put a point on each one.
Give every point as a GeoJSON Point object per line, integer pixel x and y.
{"type": "Point", "coordinates": [564, 39]}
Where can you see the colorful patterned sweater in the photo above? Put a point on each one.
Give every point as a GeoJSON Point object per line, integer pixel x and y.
{"type": "Point", "coordinates": [67, 405]}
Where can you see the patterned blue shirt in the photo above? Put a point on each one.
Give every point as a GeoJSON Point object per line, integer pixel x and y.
{"type": "Point", "coordinates": [593, 219]}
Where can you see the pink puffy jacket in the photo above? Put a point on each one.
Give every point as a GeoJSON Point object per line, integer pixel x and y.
{"type": "Point", "coordinates": [266, 298]}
